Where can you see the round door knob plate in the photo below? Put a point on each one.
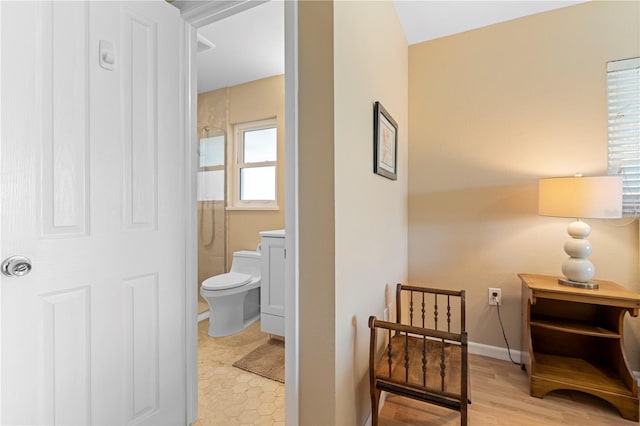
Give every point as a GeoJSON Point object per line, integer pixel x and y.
{"type": "Point", "coordinates": [16, 266]}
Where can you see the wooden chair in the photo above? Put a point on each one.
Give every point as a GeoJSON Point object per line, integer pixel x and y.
{"type": "Point", "coordinates": [425, 358]}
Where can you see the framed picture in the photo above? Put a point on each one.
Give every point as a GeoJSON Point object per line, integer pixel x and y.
{"type": "Point", "coordinates": [385, 143]}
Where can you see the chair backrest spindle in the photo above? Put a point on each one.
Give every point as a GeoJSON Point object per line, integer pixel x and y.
{"type": "Point", "coordinates": [411, 308]}
{"type": "Point", "coordinates": [449, 313]}
{"type": "Point", "coordinates": [443, 366]}
{"type": "Point", "coordinates": [435, 311]}
{"type": "Point", "coordinates": [423, 310]}
{"type": "Point", "coordinates": [406, 357]}
{"type": "Point", "coordinates": [389, 360]}
{"type": "Point", "coordinates": [424, 361]}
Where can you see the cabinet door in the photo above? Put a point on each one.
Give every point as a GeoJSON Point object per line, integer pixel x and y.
{"type": "Point", "coordinates": [272, 285]}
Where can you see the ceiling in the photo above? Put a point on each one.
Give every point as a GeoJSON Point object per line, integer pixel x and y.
{"type": "Point", "coordinates": [250, 45]}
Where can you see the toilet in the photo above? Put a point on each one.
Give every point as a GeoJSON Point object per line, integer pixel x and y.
{"type": "Point", "coordinates": [234, 297]}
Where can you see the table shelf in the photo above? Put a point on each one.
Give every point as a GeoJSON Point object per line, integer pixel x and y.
{"type": "Point", "coordinates": [573, 326]}
{"type": "Point", "coordinates": [577, 371]}
{"type": "Point", "coordinates": [573, 339]}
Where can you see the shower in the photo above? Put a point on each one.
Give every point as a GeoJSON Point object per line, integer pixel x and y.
{"type": "Point", "coordinates": [211, 202]}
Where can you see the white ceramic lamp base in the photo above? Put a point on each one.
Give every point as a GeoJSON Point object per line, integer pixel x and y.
{"type": "Point", "coordinates": [577, 269]}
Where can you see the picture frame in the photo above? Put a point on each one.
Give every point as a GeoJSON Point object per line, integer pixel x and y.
{"type": "Point", "coordinates": [385, 143]}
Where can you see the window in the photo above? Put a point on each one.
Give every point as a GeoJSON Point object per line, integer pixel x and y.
{"type": "Point", "coordinates": [211, 174]}
{"type": "Point", "coordinates": [623, 116]}
{"type": "Point", "coordinates": [255, 165]}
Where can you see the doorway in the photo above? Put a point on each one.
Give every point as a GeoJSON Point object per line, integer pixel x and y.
{"type": "Point", "coordinates": [197, 17]}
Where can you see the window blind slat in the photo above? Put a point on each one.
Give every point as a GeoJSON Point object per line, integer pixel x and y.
{"type": "Point", "coordinates": [623, 119]}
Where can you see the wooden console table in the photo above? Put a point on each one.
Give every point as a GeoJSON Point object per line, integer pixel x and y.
{"type": "Point", "coordinates": [572, 339]}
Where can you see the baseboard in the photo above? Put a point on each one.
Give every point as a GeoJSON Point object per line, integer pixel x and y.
{"type": "Point", "coordinates": [383, 398]}
{"type": "Point", "coordinates": [203, 315]}
{"type": "Point", "coordinates": [368, 421]}
{"type": "Point", "coordinates": [496, 352]}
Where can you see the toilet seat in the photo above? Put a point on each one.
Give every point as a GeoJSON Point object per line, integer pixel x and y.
{"type": "Point", "coordinates": [226, 281]}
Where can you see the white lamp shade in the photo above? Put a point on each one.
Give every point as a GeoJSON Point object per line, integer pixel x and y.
{"type": "Point", "coordinates": [598, 197]}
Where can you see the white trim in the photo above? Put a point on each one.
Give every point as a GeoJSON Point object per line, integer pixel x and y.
{"type": "Point", "coordinates": [292, 351]}
{"type": "Point", "coordinates": [496, 352]}
{"type": "Point", "coordinates": [254, 207]}
{"type": "Point", "coordinates": [2, 254]}
{"type": "Point", "coordinates": [203, 315]}
{"type": "Point", "coordinates": [189, 78]}
{"type": "Point", "coordinates": [201, 13]}
{"type": "Point", "coordinates": [623, 64]}
{"type": "Point", "coordinates": [382, 400]}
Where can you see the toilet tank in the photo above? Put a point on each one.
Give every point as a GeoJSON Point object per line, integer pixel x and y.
{"type": "Point", "coordinates": [246, 262]}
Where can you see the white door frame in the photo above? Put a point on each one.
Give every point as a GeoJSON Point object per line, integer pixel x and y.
{"type": "Point", "coordinates": [194, 18]}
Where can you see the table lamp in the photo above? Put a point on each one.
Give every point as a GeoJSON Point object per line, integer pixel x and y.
{"type": "Point", "coordinates": [578, 197]}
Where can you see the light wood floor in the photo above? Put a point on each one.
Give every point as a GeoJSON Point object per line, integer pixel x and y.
{"type": "Point", "coordinates": [500, 396]}
{"type": "Point", "coordinates": [499, 393]}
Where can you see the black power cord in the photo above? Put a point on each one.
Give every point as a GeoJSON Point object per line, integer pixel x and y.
{"type": "Point", "coordinates": [503, 333]}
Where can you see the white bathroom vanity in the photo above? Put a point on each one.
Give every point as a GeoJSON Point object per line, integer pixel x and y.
{"type": "Point", "coordinates": [272, 308]}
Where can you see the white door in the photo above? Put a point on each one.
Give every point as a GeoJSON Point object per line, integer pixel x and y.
{"type": "Point", "coordinates": [92, 188]}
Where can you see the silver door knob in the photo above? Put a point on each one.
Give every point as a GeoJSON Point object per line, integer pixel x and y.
{"type": "Point", "coordinates": [16, 266]}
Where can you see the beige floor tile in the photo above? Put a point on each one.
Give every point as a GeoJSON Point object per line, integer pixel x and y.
{"type": "Point", "coordinates": [230, 396]}
{"type": "Point", "coordinates": [266, 408]}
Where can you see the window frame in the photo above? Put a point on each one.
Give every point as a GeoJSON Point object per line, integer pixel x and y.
{"type": "Point", "coordinates": [237, 164]}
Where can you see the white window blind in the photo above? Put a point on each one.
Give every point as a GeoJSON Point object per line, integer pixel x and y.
{"type": "Point", "coordinates": [623, 115]}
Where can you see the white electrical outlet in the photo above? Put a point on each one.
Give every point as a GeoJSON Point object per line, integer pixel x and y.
{"type": "Point", "coordinates": [494, 296]}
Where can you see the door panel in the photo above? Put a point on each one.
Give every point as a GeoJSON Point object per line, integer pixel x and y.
{"type": "Point", "coordinates": [66, 343]}
{"type": "Point", "coordinates": [92, 175]}
{"type": "Point", "coordinates": [64, 76]}
{"type": "Point", "coordinates": [142, 354]}
{"type": "Point", "coordinates": [139, 58]}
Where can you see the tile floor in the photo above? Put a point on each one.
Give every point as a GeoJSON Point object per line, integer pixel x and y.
{"type": "Point", "coordinates": [228, 395]}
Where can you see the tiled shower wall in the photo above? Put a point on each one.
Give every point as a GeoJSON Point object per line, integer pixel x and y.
{"type": "Point", "coordinates": [212, 218]}
{"type": "Point", "coordinates": [211, 239]}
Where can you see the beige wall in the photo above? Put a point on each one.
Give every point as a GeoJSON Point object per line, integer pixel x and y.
{"type": "Point", "coordinates": [316, 207]}
{"type": "Point", "coordinates": [256, 100]}
{"type": "Point", "coordinates": [371, 211]}
{"type": "Point", "coordinates": [253, 101]}
{"type": "Point", "coordinates": [490, 112]}
{"type": "Point", "coordinates": [353, 223]}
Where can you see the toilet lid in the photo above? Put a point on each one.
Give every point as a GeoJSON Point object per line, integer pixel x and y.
{"type": "Point", "coordinates": [226, 281]}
